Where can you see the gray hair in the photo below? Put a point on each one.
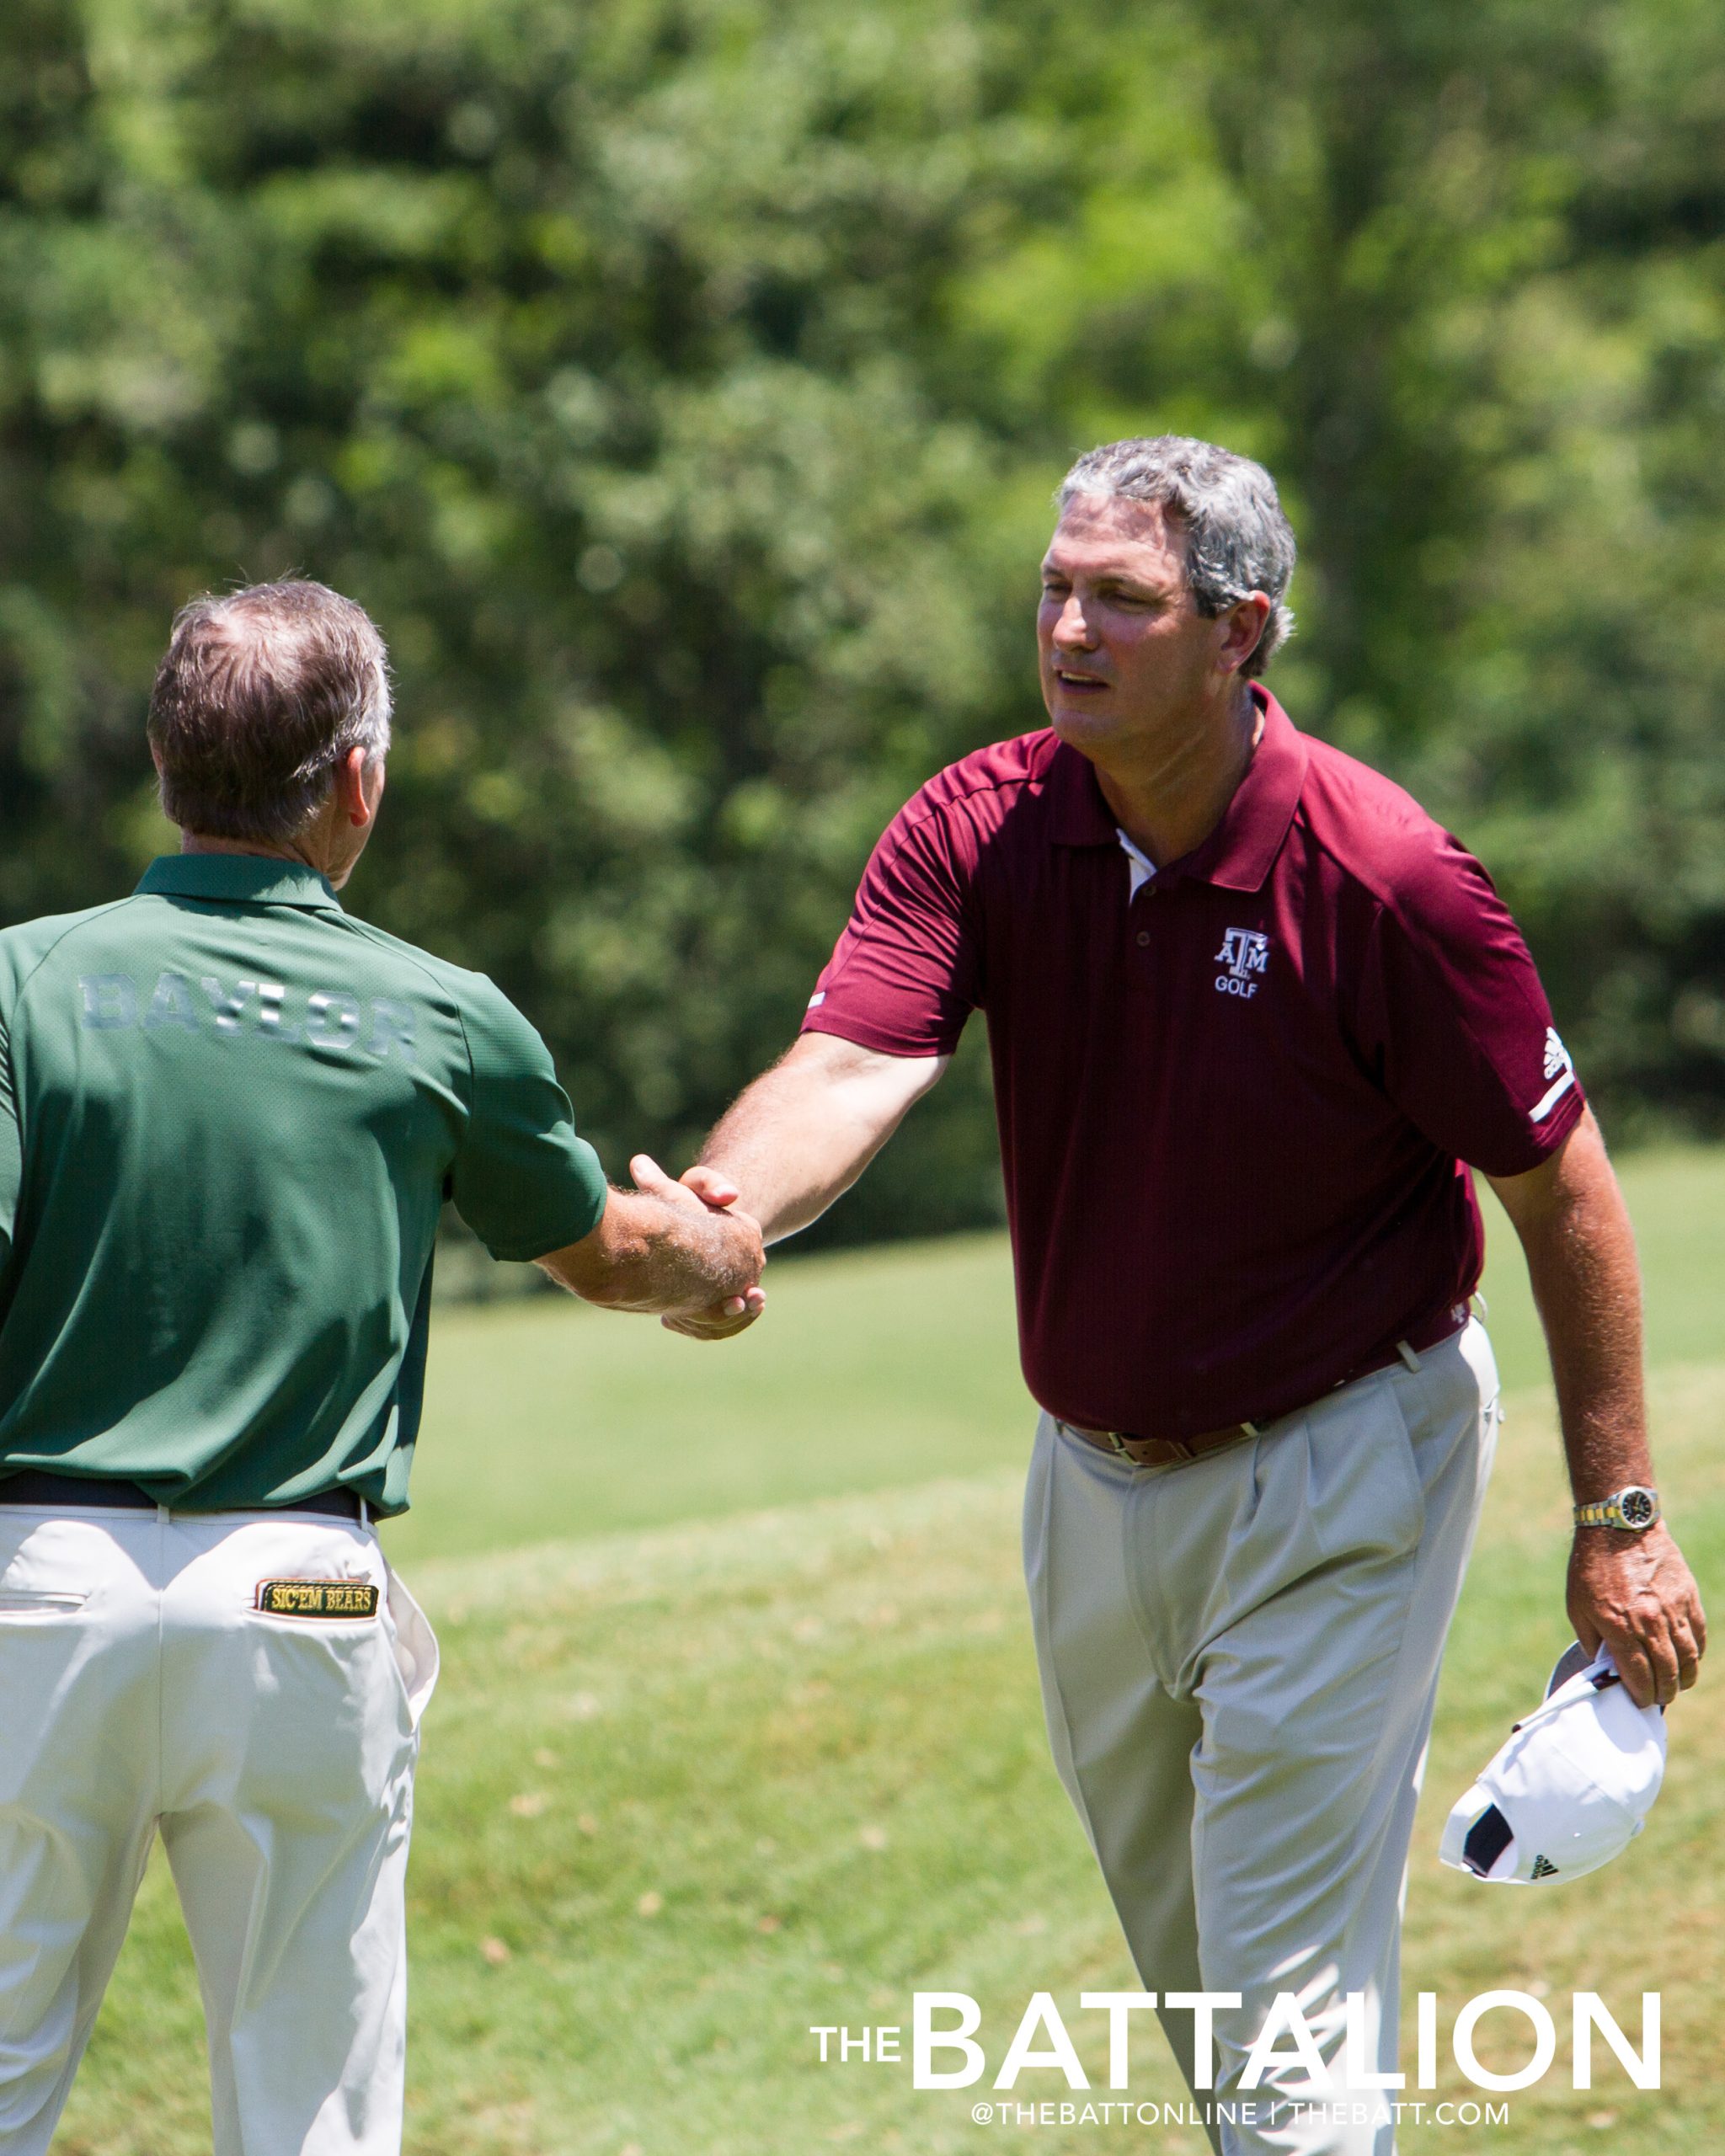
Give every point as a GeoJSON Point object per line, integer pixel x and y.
{"type": "Point", "coordinates": [261, 695]}
{"type": "Point", "coordinates": [1237, 540]}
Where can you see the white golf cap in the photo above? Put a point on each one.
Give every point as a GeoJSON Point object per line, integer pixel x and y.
{"type": "Point", "coordinates": [1572, 1787]}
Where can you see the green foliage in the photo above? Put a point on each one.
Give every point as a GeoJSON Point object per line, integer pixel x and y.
{"type": "Point", "coordinates": [681, 383]}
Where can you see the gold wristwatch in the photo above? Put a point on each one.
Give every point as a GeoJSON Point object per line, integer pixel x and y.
{"type": "Point", "coordinates": [1636, 1508]}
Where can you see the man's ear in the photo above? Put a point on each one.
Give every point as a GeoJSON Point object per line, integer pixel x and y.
{"type": "Point", "coordinates": [358, 786]}
{"type": "Point", "coordinates": [1246, 619]}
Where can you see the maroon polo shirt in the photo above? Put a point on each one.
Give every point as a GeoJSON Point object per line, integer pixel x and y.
{"type": "Point", "coordinates": [1234, 1102]}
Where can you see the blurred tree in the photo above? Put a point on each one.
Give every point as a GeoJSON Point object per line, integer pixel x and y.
{"type": "Point", "coordinates": [580, 347]}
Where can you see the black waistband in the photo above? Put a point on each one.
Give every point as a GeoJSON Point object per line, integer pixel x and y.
{"type": "Point", "coordinates": [34, 1486]}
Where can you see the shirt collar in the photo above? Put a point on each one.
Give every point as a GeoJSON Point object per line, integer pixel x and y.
{"type": "Point", "coordinates": [1237, 854]}
{"type": "Point", "coordinates": [238, 879]}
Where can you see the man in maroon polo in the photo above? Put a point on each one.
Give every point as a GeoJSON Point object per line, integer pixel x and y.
{"type": "Point", "coordinates": [1253, 1017]}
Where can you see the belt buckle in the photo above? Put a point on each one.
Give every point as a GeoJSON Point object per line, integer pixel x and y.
{"type": "Point", "coordinates": [1117, 1446]}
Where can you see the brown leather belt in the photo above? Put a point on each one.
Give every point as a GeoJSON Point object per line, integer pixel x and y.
{"type": "Point", "coordinates": [1159, 1452]}
{"type": "Point", "coordinates": [1164, 1452]}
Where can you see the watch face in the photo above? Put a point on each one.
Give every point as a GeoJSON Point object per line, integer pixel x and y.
{"type": "Point", "coordinates": [1638, 1507]}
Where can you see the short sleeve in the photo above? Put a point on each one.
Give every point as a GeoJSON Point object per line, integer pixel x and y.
{"type": "Point", "coordinates": [1453, 1018]}
{"type": "Point", "coordinates": [523, 1181]}
{"type": "Point", "coordinates": [905, 973]}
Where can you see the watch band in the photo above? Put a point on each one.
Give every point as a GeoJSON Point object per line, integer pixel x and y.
{"type": "Point", "coordinates": [1635, 1508]}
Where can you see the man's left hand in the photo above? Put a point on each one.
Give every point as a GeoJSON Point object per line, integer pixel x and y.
{"type": "Point", "coordinates": [1635, 1593]}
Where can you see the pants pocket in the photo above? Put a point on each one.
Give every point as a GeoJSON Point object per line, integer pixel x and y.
{"type": "Point", "coordinates": [48, 1602]}
{"type": "Point", "coordinates": [1366, 1494]}
{"type": "Point", "coordinates": [414, 1641]}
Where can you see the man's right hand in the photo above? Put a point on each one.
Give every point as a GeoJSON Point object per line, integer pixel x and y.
{"type": "Point", "coordinates": [716, 1195]}
{"type": "Point", "coordinates": [734, 1314]}
{"type": "Point", "coordinates": [663, 1250]}
{"type": "Point", "coordinates": [711, 1186]}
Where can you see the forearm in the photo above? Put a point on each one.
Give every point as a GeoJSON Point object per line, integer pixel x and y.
{"type": "Point", "coordinates": [1632, 1591]}
{"type": "Point", "coordinates": [790, 1150]}
{"type": "Point", "coordinates": [1587, 1285]}
{"type": "Point", "coordinates": [802, 1134]}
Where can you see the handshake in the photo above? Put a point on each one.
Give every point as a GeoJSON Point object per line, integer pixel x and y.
{"type": "Point", "coordinates": [681, 1251]}
{"type": "Point", "coordinates": [796, 1137]}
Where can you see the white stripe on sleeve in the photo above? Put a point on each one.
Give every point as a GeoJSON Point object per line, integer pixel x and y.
{"type": "Point", "coordinates": [1543, 1108]}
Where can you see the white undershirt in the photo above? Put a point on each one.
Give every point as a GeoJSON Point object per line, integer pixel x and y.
{"type": "Point", "coordinates": [1143, 868]}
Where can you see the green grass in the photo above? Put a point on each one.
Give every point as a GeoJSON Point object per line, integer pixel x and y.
{"type": "Point", "coordinates": [547, 1418]}
{"type": "Point", "coordinates": [689, 1790]}
{"type": "Point", "coordinates": [870, 1371]}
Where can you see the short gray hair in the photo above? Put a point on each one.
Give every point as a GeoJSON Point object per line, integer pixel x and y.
{"type": "Point", "coordinates": [1237, 540]}
{"type": "Point", "coordinates": [261, 695]}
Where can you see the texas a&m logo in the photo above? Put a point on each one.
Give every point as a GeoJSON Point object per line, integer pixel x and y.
{"type": "Point", "coordinates": [1246, 952]}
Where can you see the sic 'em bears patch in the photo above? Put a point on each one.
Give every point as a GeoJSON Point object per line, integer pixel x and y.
{"type": "Point", "coordinates": [318, 1598]}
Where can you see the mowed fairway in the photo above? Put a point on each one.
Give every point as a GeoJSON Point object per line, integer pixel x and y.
{"type": "Point", "coordinates": [739, 1733]}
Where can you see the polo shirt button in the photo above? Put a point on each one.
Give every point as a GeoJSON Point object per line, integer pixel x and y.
{"type": "Point", "coordinates": [1143, 935]}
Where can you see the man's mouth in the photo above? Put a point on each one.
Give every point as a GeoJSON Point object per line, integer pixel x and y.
{"type": "Point", "coordinates": [1068, 680]}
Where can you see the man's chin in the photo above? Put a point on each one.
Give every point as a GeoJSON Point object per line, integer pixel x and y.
{"type": "Point", "coordinates": [1082, 726]}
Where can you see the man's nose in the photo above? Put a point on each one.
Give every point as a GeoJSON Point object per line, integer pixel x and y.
{"type": "Point", "coordinates": [1072, 630]}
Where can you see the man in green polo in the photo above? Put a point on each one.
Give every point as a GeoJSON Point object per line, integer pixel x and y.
{"type": "Point", "coordinates": [229, 1116]}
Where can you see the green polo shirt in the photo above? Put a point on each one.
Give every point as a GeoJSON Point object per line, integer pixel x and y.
{"type": "Point", "coordinates": [229, 1115]}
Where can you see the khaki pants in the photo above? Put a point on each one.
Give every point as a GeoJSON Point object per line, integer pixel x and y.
{"type": "Point", "coordinates": [1239, 1658]}
{"type": "Point", "coordinates": [141, 1687]}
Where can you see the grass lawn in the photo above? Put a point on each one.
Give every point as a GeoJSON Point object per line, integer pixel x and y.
{"type": "Point", "coordinates": [870, 1371]}
{"type": "Point", "coordinates": [739, 1733]}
